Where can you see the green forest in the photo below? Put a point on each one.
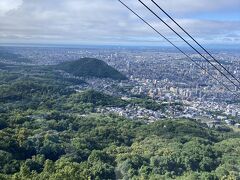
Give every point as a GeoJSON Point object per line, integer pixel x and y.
{"type": "Point", "coordinates": [49, 131]}
{"type": "Point", "coordinates": [91, 67]}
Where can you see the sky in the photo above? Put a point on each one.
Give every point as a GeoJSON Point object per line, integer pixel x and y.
{"type": "Point", "coordinates": [107, 22]}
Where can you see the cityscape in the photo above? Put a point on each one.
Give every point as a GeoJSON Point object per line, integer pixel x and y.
{"type": "Point", "coordinates": [119, 90]}
{"type": "Point", "coordinates": [167, 77]}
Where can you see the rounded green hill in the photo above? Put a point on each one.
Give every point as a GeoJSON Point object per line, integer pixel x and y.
{"type": "Point", "coordinates": [90, 67]}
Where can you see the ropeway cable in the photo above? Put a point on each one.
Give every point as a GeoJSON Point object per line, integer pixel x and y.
{"type": "Point", "coordinates": [177, 48]}
{"type": "Point", "coordinates": [189, 44]}
{"type": "Point", "coordinates": [196, 41]}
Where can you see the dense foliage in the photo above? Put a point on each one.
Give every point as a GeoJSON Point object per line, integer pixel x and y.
{"type": "Point", "coordinates": [90, 67]}
{"type": "Point", "coordinates": [48, 131]}
{"type": "Point", "coordinates": [150, 104]}
{"type": "Point", "coordinates": [71, 147]}
{"type": "Point", "coordinates": [98, 99]}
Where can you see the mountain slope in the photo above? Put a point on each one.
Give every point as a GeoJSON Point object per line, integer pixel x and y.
{"type": "Point", "coordinates": [98, 99]}
{"type": "Point", "coordinates": [90, 67]}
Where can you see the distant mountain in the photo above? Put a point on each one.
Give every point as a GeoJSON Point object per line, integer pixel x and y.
{"type": "Point", "coordinates": [90, 67]}
{"type": "Point", "coordinates": [12, 57]}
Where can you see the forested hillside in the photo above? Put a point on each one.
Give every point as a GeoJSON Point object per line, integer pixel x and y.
{"type": "Point", "coordinates": [49, 131]}
{"type": "Point", "coordinates": [90, 67]}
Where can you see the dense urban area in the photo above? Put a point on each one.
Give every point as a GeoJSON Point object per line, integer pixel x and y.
{"type": "Point", "coordinates": [161, 75]}
{"type": "Point", "coordinates": [117, 113]}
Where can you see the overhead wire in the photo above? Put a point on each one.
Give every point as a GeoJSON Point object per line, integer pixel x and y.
{"type": "Point", "coordinates": [189, 44]}
{"type": "Point", "coordinates": [234, 77]}
{"type": "Point", "coordinates": [205, 70]}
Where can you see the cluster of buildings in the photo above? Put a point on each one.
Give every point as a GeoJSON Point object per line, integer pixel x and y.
{"type": "Point", "coordinates": [162, 75]}
{"type": "Point", "coordinates": [134, 112]}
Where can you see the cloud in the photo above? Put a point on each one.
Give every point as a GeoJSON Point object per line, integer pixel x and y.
{"type": "Point", "coordinates": [8, 5]}
{"type": "Point", "coordinates": [190, 6]}
{"type": "Point", "coordinates": [108, 22]}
